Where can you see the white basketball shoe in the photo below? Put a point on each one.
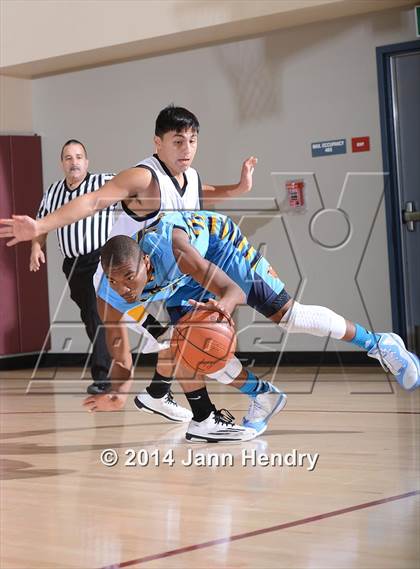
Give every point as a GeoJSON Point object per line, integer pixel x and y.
{"type": "Point", "coordinates": [165, 406]}
{"type": "Point", "coordinates": [219, 427]}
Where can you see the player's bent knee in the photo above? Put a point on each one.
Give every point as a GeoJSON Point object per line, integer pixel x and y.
{"type": "Point", "coordinates": [315, 320]}
{"type": "Point", "coordinates": [229, 373]}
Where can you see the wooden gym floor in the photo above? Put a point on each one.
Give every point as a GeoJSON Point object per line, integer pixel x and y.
{"type": "Point", "coordinates": [358, 507]}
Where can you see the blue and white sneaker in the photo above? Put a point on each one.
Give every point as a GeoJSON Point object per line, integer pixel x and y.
{"type": "Point", "coordinates": [263, 407]}
{"type": "Point", "coordinates": [393, 356]}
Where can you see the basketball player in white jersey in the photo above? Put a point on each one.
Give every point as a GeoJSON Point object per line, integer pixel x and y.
{"type": "Point", "coordinates": [162, 182]}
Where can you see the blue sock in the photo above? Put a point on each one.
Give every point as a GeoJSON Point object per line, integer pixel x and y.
{"type": "Point", "coordinates": [365, 339]}
{"type": "Point", "coordinates": [253, 386]}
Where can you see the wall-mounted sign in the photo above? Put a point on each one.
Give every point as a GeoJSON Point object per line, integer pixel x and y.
{"type": "Point", "coordinates": [360, 144]}
{"type": "Point", "coordinates": [328, 147]}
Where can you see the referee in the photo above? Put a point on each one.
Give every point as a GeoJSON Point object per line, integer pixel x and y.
{"type": "Point", "coordinates": [80, 244]}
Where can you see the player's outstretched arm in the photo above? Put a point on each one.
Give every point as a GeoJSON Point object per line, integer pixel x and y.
{"type": "Point", "coordinates": [207, 274]}
{"type": "Point", "coordinates": [212, 194]}
{"type": "Point", "coordinates": [121, 368]}
{"type": "Point", "coordinates": [116, 399]}
{"type": "Point", "coordinates": [135, 182]}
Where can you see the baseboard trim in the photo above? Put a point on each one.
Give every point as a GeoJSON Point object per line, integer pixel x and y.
{"type": "Point", "coordinates": [353, 358]}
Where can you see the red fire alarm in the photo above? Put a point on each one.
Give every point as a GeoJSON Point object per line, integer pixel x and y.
{"type": "Point", "coordinates": [295, 195]}
{"type": "Point", "coordinates": [360, 144]}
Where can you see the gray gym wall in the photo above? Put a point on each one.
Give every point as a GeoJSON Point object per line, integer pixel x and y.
{"type": "Point", "coordinates": [270, 96]}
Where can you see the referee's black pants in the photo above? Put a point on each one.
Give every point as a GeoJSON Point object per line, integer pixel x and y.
{"type": "Point", "coordinates": [79, 272]}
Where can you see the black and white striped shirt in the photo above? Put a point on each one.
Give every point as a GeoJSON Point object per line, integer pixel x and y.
{"type": "Point", "coordinates": [88, 234]}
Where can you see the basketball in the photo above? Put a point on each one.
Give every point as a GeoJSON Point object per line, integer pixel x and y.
{"type": "Point", "coordinates": [204, 341]}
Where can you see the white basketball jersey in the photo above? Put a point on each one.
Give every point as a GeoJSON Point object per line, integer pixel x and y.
{"type": "Point", "coordinates": [173, 197]}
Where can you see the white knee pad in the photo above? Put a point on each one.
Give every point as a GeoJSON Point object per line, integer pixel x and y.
{"type": "Point", "coordinates": [315, 320]}
{"type": "Point", "coordinates": [230, 372]}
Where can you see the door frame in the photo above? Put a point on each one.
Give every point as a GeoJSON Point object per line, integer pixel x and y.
{"type": "Point", "coordinates": [392, 205]}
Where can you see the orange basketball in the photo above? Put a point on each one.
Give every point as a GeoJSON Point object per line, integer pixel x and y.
{"type": "Point", "coordinates": [203, 341]}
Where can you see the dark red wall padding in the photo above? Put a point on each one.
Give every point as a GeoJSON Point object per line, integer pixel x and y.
{"type": "Point", "coordinates": [9, 310]}
{"type": "Point", "coordinates": [24, 310]}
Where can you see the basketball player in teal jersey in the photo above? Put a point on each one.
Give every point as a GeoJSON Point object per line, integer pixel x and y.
{"type": "Point", "coordinates": [187, 259]}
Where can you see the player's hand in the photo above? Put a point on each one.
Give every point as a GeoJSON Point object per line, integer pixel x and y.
{"type": "Point", "coordinates": [214, 306]}
{"type": "Point", "coordinates": [248, 166]}
{"type": "Point", "coordinates": [20, 227]}
{"type": "Point", "coordinates": [105, 402]}
{"type": "Point", "coordinates": [37, 257]}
